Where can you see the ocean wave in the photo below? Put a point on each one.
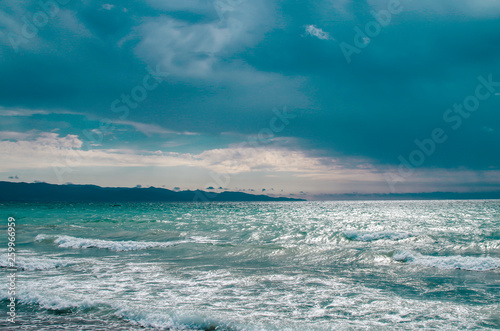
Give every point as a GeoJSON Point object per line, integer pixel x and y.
{"type": "Point", "coordinates": [32, 263]}
{"type": "Point", "coordinates": [173, 321]}
{"type": "Point", "coordinates": [118, 246]}
{"type": "Point", "coordinates": [469, 263]}
{"type": "Point", "coordinates": [166, 320]}
{"type": "Point", "coordinates": [32, 296]}
{"type": "Point", "coordinates": [372, 236]}
{"type": "Point", "coordinates": [479, 247]}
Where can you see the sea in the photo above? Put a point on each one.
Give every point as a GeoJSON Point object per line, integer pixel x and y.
{"type": "Point", "coordinates": [344, 265]}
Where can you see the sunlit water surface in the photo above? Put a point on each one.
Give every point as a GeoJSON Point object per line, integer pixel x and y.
{"type": "Point", "coordinates": [255, 266]}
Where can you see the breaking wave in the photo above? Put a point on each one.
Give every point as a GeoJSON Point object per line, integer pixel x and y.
{"type": "Point", "coordinates": [118, 246]}
{"type": "Point", "coordinates": [166, 320]}
{"type": "Point", "coordinates": [469, 263]}
{"type": "Point", "coordinates": [372, 236]}
{"type": "Point", "coordinates": [32, 263]}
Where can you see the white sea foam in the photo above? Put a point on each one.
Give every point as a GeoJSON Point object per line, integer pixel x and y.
{"type": "Point", "coordinates": [483, 246]}
{"type": "Point", "coordinates": [166, 320]}
{"type": "Point", "coordinates": [32, 263]}
{"type": "Point", "coordinates": [203, 240]}
{"type": "Point", "coordinates": [55, 301]}
{"type": "Point", "coordinates": [173, 321]}
{"type": "Point", "coordinates": [470, 263]}
{"type": "Point", "coordinates": [371, 236]}
{"type": "Point", "coordinates": [252, 282]}
{"type": "Point", "coordinates": [74, 242]}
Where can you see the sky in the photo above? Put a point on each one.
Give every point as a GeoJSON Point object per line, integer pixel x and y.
{"type": "Point", "coordinates": [288, 97]}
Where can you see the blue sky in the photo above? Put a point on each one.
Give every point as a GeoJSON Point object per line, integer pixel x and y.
{"type": "Point", "coordinates": [290, 97]}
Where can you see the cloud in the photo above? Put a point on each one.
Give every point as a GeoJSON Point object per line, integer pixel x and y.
{"type": "Point", "coordinates": [316, 174]}
{"type": "Point", "coordinates": [247, 159]}
{"type": "Point", "coordinates": [316, 32]}
{"type": "Point", "coordinates": [188, 49]}
{"type": "Point", "coordinates": [25, 112]}
{"type": "Point", "coordinates": [11, 135]}
{"type": "Point", "coordinates": [49, 149]}
{"type": "Point", "coordinates": [149, 129]}
{"type": "Point", "coordinates": [232, 62]}
{"type": "Point", "coordinates": [108, 6]}
{"type": "Point", "coordinates": [43, 149]}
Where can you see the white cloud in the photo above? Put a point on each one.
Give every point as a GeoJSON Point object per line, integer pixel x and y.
{"type": "Point", "coordinates": [193, 50]}
{"type": "Point", "coordinates": [23, 112]}
{"type": "Point", "coordinates": [108, 6]}
{"type": "Point", "coordinates": [316, 32]}
{"type": "Point", "coordinates": [11, 26]}
{"type": "Point", "coordinates": [248, 159]}
{"type": "Point", "coordinates": [149, 129]}
{"type": "Point", "coordinates": [184, 49]}
{"type": "Point", "coordinates": [36, 151]}
{"type": "Point", "coordinates": [42, 150]}
{"type": "Point", "coordinates": [49, 149]}
{"type": "Point", "coordinates": [4, 135]}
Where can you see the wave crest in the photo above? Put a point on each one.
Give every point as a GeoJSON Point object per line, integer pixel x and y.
{"type": "Point", "coordinates": [32, 263]}
{"type": "Point", "coordinates": [166, 320]}
{"type": "Point", "coordinates": [469, 263]}
{"type": "Point", "coordinates": [372, 236]}
{"type": "Point", "coordinates": [118, 246]}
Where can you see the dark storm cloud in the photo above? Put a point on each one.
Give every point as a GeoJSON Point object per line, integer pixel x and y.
{"type": "Point", "coordinates": [231, 62]}
{"type": "Point", "coordinates": [398, 88]}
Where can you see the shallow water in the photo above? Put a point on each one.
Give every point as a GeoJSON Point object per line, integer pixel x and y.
{"type": "Point", "coordinates": [255, 266]}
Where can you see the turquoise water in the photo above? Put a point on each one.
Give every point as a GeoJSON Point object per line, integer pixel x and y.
{"type": "Point", "coordinates": [255, 266]}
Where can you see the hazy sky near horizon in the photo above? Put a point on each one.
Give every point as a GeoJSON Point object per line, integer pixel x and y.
{"type": "Point", "coordinates": [290, 97]}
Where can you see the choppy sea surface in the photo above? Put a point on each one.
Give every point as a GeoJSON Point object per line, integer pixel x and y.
{"type": "Point", "coordinates": [254, 266]}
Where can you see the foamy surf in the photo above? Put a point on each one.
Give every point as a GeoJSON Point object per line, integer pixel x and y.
{"type": "Point", "coordinates": [469, 263]}
{"type": "Point", "coordinates": [372, 236]}
{"type": "Point", "coordinates": [118, 246]}
{"type": "Point", "coordinates": [258, 266]}
{"type": "Point", "coordinates": [173, 321]}
{"type": "Point", "coordinates": [32, 263]}
{"type": "Point", "coordinates": [144, 318]}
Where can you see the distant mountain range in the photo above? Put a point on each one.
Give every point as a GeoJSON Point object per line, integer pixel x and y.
{"type": "Point", "coordinates": [44, 192]}
{"type": "Point", "coordinates": [411, 196]}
